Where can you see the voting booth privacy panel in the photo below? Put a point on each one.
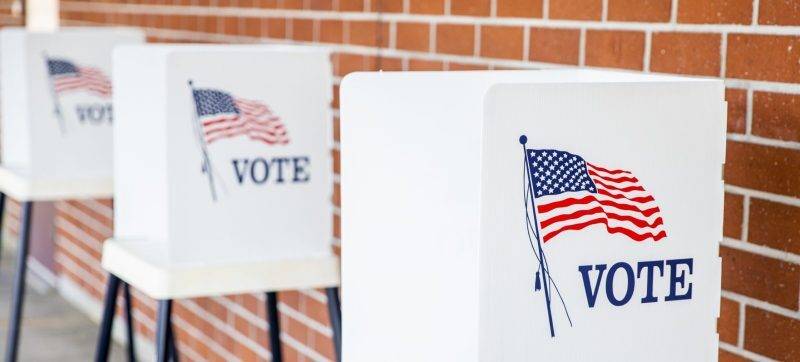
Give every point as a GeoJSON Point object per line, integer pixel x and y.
{"type": "Point", "coordinates": [56, 101]}
{"type": "Point", "coordinates": [222, 152]}
{"type": "Point", "coordinates": [542, 214]}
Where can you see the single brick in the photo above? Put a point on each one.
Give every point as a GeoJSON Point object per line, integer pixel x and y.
{"type": "Point", "coordinates": [728, 322]}
{"type": "Point", "coordinates": [519, 8]}
{"type": "Point", "coordinates": [337, 226]}
{"type": "Point", "coordinates": [387, 6]}
{"type": "Point", "coordinates": [276, 28]}
{"type": "Point", "coordinates": [774, 225]}
{"type": "Point", "coordinates": [470, 7]}
{"type": "Point", "coordinates": [413, 36]}
{"type": "Point", "coordinates": [422, 64]}
{"type": "Point", "coordinates": [351, 5]}
{"type": "Point", "coordinates": [502, 42]}
{"type": "Point", "coordinates": [230, 25]}
{"type": "Point", "coordinates": [347, 63]}
{"type": "Point", "coordinates": [336, 199]}
{"type": "Point", "coordinates": [553, 45]}
{"type": "Point", "coordinates": [737, 109]}
{"type": "Point", "coordinates": [779, 12]}
{"type": "Point", "coordinates": [303, 29]}
{"type": "Point", "coordinates": [764, 57]}
{"type": "Point", "coordinates": [389, 64]}
{"type": "Point", "coordinates": [323, 5]}
{"type": "Point", "coordinates": [368, 33]}
{"type": "Point", "coordinates": [330, 31]}
{"type": "Point", "coordinates": [732, 223]}
{"type": "Point", "coordinates": [765, 168]}
{"type": "Point", "coordinates": [685, 53]}
{"type": "Point", "coordinates": [291, 4]}
{"type": "Point", "coordinates": [426, 6]}
{"type": "Point", "coordinates": [252, 27]}
{"type": "Point", "coordinates": [639, 10]}
{"type": "Point", "coordinates": [455, 39]}
{"type": "Point", "coordinates": [265, 4]}
{"type": "Point", "coordinates": [615, 49]}
{"type": "Point", "coordinates": [715, 11]}
{"type": "Point", "coordinates": [771, 334]}
{"type": "Point", "coordinates": [768, 279]}
{"type": "Point", "coordinates": [576, 9]}
{"type": "Point", "coordinates": [776, 115]}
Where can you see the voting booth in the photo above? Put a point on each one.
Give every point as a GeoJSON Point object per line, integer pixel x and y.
{"type": "Point", "coordinates": [535, 215]}
{"type": "Point", "coordinates": [222, 174]}
{"type": "Point", "coordinates": [56, 103]}
{"type": "Point", "coordinates": [55, 137]}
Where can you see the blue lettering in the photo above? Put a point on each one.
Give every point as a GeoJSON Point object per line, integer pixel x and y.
{"type": "Point", "coordinates": [591, 295]}
{"type": "Point", "coordinates": [650, 267]}
{"type": "Point", "coordinates": [675, 279]}
{"type": "Point", "coordinates": [265, 173]}
{"type": "Point", "coordinates": [300, 173]}
{"type": "Point", "coordinates": [610, 284]}
{"type": "Point", "coordinates": [240, 172]}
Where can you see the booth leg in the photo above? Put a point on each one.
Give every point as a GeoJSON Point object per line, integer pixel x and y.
{"type": "Point", "coordinates": [172, 344]}
{"type": "Point", "coordinates": [162, 329]}
{"type": "Point", "coordinates": [274, 327]}
{"type": "Point", "coordinates": [126, 290]}
{"type": "Point", "coordinates": [18, 296]}
{"type": "Point", "coordinates": [335, 313]}
{"type": "Point", "coordinates": [107, 322]}
{"type": "Point", "coordinates": [2, 213]}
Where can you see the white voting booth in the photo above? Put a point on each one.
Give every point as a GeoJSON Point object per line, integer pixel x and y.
{"type": "Point", "coordinates": [223, 172]}
{"type": "Point", "coordinates": [56, 109]}
{"type": "Point", "coordinates": [56, 125]}
{"type": "Point", "coordinates": [531, 215]}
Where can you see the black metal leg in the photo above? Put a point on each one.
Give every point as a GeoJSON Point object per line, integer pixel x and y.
{"type": "Point", "coordinates": [18, 298]}
{"type": "Point", "coordinates": [162, 329]}
{"type": "Point", "coordinates": [126, 291]}
{"type": "Point", "coordinates": [172, 343]}
{"type": "Point", "coordinates": [106, 324]}
{"type": "Point", "coordinates": [335, 313]}
{"type": "Point", "coordinates": [274, 327]}
{"type": "Point", "coordinates": [2, 213]}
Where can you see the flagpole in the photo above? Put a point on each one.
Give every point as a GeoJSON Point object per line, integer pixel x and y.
{"type": "Point", "coordinates": [56, 101]}
{"type": "Point", "coordinates": [523, 140]}
{"type": "Point", "coordinates": [203, 149]}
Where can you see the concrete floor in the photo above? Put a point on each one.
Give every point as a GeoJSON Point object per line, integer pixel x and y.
{"type": "Point", "coordinates": [52, 329]}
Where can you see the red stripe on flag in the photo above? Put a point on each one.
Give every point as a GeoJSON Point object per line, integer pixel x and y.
{"type": "Point", "coordinates": [591, 198]}
{"type": "Point", "coordinates": [612, 179]}
{"type": "Point", "coordinates": [611, 229]}
{"type": "Point", "coordinates": [613, 172]}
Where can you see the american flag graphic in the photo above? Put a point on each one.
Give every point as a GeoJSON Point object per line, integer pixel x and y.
{"type": "Point", "coordinates": [223, 115]}
{"type": "Point", "coordinates": [572, 194]}
{"type": "Point", "coordinates": [66, 76]}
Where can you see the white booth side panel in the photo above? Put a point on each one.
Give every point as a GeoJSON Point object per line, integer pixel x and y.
{"type": "Point", "coordinates": [15, 135]}
{"type": "Point", "coordinates": [140, 145]}
{"type": "Point", "coordinates": [410, 187]}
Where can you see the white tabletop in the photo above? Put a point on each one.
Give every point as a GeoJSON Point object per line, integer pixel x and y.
{"type": "Point", "coordinates": [147, 266]}
{"type": "Point", "coordinates": [18, 185]}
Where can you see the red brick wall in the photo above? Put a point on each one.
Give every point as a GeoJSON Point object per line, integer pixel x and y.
{"type": "Point", "coordinates": [753, 44]}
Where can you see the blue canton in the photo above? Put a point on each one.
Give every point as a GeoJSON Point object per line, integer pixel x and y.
{"type": "Point", "coordinates": [60, 67]}
{"type": "Point", "coordinates": [556, 172]}
{"type": "Point", "coordinates": [212, 102]}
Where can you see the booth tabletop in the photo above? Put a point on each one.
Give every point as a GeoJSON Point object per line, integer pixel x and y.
{"type": "Point", "coordinates": [18, 185]}
{"type": "Point", "coordinates": [147, 266]}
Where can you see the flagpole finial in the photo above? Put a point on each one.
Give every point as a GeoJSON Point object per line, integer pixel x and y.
{"type": "Point", "coordinates": [523, 139]}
